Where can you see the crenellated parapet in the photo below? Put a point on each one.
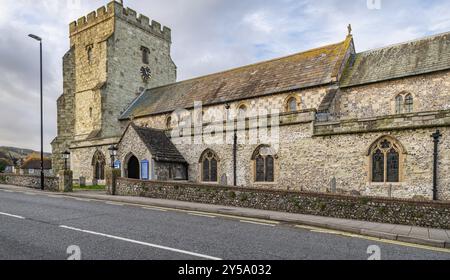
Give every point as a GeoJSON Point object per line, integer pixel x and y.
{"type": "Point", "coordinates": [115, 9]}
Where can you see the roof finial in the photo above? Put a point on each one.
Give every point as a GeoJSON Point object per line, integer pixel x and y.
{"type": "Point", "coordinates": [349, 27]}
{"type": "Point", "coordinates": [121, 2]}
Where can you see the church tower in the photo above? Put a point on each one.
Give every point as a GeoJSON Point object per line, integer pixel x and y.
{"type": "Point", "coordinates": [114, 55]}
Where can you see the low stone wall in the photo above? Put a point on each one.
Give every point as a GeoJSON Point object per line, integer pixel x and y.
{"type": "Point", "coordinates": [382, 210]}
{"type": "Point", "coordinates": [29, 181]}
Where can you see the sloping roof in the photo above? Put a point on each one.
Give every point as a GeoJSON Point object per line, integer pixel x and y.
{"type": "Point", "coordinates": [35, 163]}
{"type": "Point", "coordinates": [302, 70]}
{"type": "Point", "coordinates": [159, 145]}
{"type": "Point", "coordinates": [407, 59]}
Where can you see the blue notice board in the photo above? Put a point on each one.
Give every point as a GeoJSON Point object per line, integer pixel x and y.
{"type": "Point", "coordinates": [144, 169]}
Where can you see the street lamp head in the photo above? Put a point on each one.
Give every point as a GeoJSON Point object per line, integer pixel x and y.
{"type": "Point", "coordinates": [35, 37]}
{"type": "Point", "coordinates": [66, 155]}
{"type": "Point", "coordinates": [112, 150]}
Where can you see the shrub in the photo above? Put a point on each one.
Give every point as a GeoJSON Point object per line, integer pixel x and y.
{"type": "Point", "coordinates": [231, 194]}
{"type": "Point", "coordinates": [243, 197]}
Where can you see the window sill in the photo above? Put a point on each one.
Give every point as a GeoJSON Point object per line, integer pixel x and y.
{"type": "Point", "coordinates": [385, 184]}
{"type": "Point", "coordinates": [265, 183]}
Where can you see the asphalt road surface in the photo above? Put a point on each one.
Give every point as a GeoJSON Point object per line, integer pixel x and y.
{"type": "Point", "coordinates": [45, 227]}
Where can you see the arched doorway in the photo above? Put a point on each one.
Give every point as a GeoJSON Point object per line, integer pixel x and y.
{"type": "Point", "coordinates": [133, 168]}
{"type": "Point", "coordinates": [98, 164]}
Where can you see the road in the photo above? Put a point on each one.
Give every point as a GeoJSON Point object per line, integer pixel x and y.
{"type": "Point", "coordinates": [43, 227]}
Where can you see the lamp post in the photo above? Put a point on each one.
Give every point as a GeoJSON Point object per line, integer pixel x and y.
{"type": "Point", "coordinates": [39, 39]}
{"type": "Point", "coordinates": [113, 153]}
{"type": "Point", "coordinates": [227, 108]}
{"type": "Point", "coordinates": [436, 138]}
{"type": "Point", "coordinates": [66, 156]}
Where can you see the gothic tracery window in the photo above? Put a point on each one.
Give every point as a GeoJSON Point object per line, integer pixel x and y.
{"type": "Point", "coordinates": [385, 161]}
{"type": "Point", "coordinates": [98, 164]}
{"type": "Point", "coordinates": [264, 164]}
{"type": "Point", "coordinates": [209, 162]}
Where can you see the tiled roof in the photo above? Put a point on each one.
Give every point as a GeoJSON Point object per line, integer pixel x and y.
{"type": "Point", "coordinates": [407, 59]}
{"type": "Point", "coordinates": [35, 163]}
{"type": "Point", "coordinates": [302, 70]}
{"type": "Point", "coordinates": [159, 145]}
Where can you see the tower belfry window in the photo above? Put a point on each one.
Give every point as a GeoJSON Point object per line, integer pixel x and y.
{"type": "Point", "coordinates": [145, 55]}
{"type": "Point", "coordinates": [89, 52]}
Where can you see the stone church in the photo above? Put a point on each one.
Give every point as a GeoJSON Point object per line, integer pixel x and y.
{"type": "Point", "coordinates": [336, 121]}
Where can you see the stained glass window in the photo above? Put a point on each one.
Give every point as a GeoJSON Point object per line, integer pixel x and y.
{"type": "Point", "coordinates": [269, 169]}
{"type": "Point", "coordinates": [209, 163]}
{"type": "Point", "coordinates": [378, 167]}
{"type": "Point", "coordinates": [385, 162]}
{"type": "Point", "coordinates": [264, 164]}
{"type": "Point", "coordinates": [213, 170]}
{"type": "Point", "coordinates": [260, 169]}
{"type": "Point", "coordinates": [206, 177]}
{"type": "Point", "coordinates": [392, 166]}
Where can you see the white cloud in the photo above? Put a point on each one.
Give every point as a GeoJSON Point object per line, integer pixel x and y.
{"type": "Point", "coordinates": [208, 36]}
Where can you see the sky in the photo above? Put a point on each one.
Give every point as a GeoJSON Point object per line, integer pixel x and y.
{"type": "Point", "coordinates": [208, 36]}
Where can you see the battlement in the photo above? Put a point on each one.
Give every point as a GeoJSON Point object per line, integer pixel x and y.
{"type": "Point", "coordinates": [116, 9]}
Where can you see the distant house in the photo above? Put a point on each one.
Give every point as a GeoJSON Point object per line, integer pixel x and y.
{"type": "Point", "coordinates": [32, 166]}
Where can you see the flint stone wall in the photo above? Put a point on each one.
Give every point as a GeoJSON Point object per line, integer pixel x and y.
{"type": "Point", "coordinates": [373, 209]}
{"type": "Point", "coordinates": [29, 181]}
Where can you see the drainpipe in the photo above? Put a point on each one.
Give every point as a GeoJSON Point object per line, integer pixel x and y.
{"type": "Point", "coordinates": [436, 137]}
{"type": "Point", "coordinates": [235, 159]}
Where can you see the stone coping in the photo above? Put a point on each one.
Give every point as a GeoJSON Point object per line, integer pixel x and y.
{"type": "Point", "coordinates": [28, 176]}
{"type": "Point", "coordinates": [429, 119]}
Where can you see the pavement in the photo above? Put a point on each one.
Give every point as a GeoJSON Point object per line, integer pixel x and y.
{"type": "Point", "coordinates": [215, 231]}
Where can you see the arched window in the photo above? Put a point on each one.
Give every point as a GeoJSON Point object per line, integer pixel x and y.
{"type": "Point", "coordinates": [169, 122]}
{"type": "Point", "coordinates": [399, 104]}
{"type": "Point", "coordinates": [89, 52]}
{"type": "Point", "coordinates": [98, 164]}
{"type": "Point", "coordinates": [209, 165]}
{"type": "Point", "coordinates": [291, 104]}
{"type": "Point", "coordinates": [145, 53]}
{"type": "Point", "coordinates": [409, 103]}
{"type": "Point", "coordinates": [264, 164]}
{"type": "Point", "coordinates": [242, 112]}
{"type": "Point", "coordinates": [385, 160]}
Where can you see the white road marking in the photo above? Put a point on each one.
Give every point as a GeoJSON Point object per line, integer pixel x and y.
{"type": "Point", "coordinates": [236, 217]}
{"type": "Point", "coordinates": [8, 191]}
{"type": "Point", "coordinates": [376, 239]}
{"type": "Point", "coordinates": [202, 215]}
{"type": "Point", "coordinates": [142, 243]}
{"type": "Point", "coordinates": [81, 199]}
{"type": "Point", "coordinates": [28, 193]}
{"type": "Point", "coordinates": [154, 209]}
{"type": "Point", "coordinates": [13, 216]}
{"type": "Point", "coordinates": [256, 223]}
{"type": "Point", "coordinates": [114, 203]}
{"type": "Point", "coordinates": [54, 196]}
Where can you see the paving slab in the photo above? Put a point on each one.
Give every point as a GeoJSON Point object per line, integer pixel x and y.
{"type": "Point", "coordinates": [419, 232]}
{"type": "Point", "coordinates": [438, 234]}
